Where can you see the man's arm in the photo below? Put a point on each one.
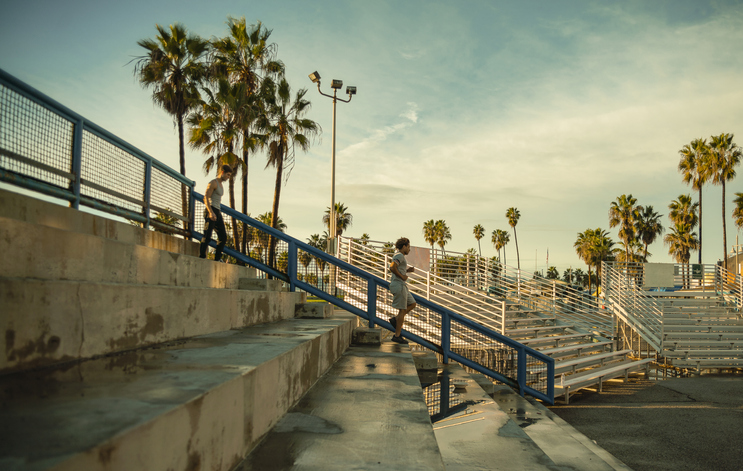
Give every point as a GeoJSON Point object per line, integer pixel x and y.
{"type": "Point", "coordinates": [207, 200]}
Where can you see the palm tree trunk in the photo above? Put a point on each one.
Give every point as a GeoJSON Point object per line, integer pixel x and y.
{"type": "Point", "coordinates": [518, 257]}
{"type": "Point", "coordinates": [724, 230]}
{"type": "Point", "coordinates": [276, 196]}
{"type": "Point", "coordinates": [235, 231]}
{"type": "Point", "coordinates": [244, 247]}
{"type": "Point", "coordinates": [182, 157]}
{"type": "Point", "coordinates": [700, 224]}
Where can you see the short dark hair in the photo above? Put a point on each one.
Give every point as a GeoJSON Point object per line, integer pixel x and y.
{"type": "Point", "coordinates": [402, 242]}
{"type": "Point", "coordinates": [226, 168]}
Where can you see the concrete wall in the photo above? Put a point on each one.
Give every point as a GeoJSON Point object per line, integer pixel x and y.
{"type": "Point", "coordinates": [35, 211]}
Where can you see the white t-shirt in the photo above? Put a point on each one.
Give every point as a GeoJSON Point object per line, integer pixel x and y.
{"type": "Point", "coordinates": [402, 266]}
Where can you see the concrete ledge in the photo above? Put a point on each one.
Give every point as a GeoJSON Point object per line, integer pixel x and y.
{"type": "Point", "coordinates": [36, 211]}
{"type": "Point", "coordinates": [199, 404]}
{"type": "Point", "coordinates": [37, 251]}
{"type": "Point", "coordinates": [366, 336]}
{"type": "Point", "coordinates": [44, 322]}
{"type": "Point", "coordinates": [314, 310]}
{"type": "Point", "coordinates": [256, 284]}
{"type": "Point", "coordinates": [425, 361]}
{"type": "Point", "coordinates": [367, 412]}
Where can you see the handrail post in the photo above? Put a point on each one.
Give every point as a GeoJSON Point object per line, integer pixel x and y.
{"type": "Point", "coordinates": [292, 266]}
{"type": "Point", "coordinates": [191, 213]}
{"type": "Point", "coordinates": [521, 370]}
{"type": "Point", "coordinates": [77, 161]}
{"type": "Point", "coordinates": [445, 336]}
{"type": "Point", "coordinates": [371, 301]}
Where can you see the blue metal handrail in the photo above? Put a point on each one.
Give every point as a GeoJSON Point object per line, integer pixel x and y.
{"type": "Point", "coordinates": [373, 284]}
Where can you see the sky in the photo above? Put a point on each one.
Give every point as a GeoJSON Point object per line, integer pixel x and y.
{"type": "Point", "coordinates": [464, 109]}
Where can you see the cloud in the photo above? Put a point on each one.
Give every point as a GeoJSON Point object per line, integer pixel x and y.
{"type": "Point", "coordinates": [379, 135]}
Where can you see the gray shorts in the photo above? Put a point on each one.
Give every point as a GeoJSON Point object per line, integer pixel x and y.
{"type": "Point", "coordinates": [402, 297]}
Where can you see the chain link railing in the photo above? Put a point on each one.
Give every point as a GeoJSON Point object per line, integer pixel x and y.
{"type": "Point", "coordinates": [48, 148]}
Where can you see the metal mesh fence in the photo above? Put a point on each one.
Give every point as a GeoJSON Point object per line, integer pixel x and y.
{"type": "Point", "coordinates": [34, 141]}
{"type": "Point", "coordinates": [111, 174]}
{"type": "Point", "coordinates": [484, 350]}
{"type": "Point", "coordinates": [166, 200]}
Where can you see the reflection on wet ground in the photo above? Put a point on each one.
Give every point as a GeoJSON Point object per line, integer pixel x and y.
{"type": "Point", "coordinates": [444, 399]}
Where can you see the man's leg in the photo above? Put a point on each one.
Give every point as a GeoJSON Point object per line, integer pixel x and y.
{"type": "Point", "coordinates": [204, 246]}
{"type": "Point", "coordinates": [221, 236]}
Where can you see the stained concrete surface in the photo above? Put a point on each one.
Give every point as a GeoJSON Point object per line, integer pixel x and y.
{"type": "Point", "coordinates": [682, 424]}
{"type": "Point", "coordinates": [174, 396]}
{"type": "Point", "coordinates": [366, 413]}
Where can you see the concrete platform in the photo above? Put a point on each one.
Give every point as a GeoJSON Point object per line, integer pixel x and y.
{"type": "Point", "coordinates": [48, 321]}
{"type": "Point", "coordinates": [48, 253]}
{"type": "Point", "coordinates": [36, 211]}
{"type": "Point", "coordinates": [367, 413]}
{"type": "Point", "coordinates": [201, 403]}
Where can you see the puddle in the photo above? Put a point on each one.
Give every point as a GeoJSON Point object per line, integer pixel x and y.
{"type": "Point", "coordinates": [443, 399]}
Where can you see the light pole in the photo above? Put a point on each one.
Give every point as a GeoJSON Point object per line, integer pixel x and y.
{"type": "Point", "coordinates": [350, 91]}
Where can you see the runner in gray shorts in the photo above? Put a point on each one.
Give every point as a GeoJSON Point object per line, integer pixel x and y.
{"type": "Point", "coordinates": [402, 299]}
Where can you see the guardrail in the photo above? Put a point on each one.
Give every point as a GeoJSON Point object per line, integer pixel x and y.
{"type": "Point", "coordinates": [471, 283]}
{"type": "Point", "coordinates": [621, 285]}
{"type": "Point", "coordinates": [46, 147]}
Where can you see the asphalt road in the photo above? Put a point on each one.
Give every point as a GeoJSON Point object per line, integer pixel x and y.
{"type": "Point", "coordinates": [680, 424]}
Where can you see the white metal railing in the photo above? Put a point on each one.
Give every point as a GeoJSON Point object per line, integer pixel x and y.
{"type": "Point", "coordinates": [621, 285]}
{"type": "Point", "coordinates": [729, 286]}
{"type": "Point", "coordinates": [476, 305]}
{"type": "Point", "coordinates": [471, 285]}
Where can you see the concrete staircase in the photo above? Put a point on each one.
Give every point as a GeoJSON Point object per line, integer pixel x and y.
{"type": "Point", "coordinates": [123, 351]}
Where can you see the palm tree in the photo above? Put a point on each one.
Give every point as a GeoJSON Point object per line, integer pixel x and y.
{"type": "Point", "coordinates": [635, 252]}
{"type": "Point", "coordinates": [173, 68]}
{"type": "Point", "coordinates": [499, 239]}
{"type": "Point", "coordinates": [286, 129]}
{"type": "Point", "coordinates": [264, 239]}
{"type": "Point", "coordinates": [623, 213]}
{"type": "Point", "coordinates": [683, 210]}
{"type": "Point", "coordinates": [245, 56]}
{"type": "Point", "coordinates": [305, 259]}
{"type": "Point", "coordinates": [315, 241]}
{"type": "Point", "coordinates": [443, 235]}
{"type": "Point", "coordinates": [429, 234]}
{"type": "Point", "coordinates": [724, 156]}
{"type": "Point", "coordinates": [552, 273]}
{"type": "Point", "coordinates": [214, 128]}
{"type": "Point", "coordinates": [681, 241]}
{"type": "Point", "coordinates": [343, 219]}
{"type": "Point", "coordinates": [694, 169]}
{"type": "Point", "coordinates": [479, 232]}
{"type": "Point", "coordinates": [513, 216]}
{"type": "Point", "coordinates": [593, 246]}
{"type": "Point", "coordinates": [648, 228]}
{"type": "Point", "coordinates": [738, 210]}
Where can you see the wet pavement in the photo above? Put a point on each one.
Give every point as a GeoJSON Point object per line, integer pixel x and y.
{"type": "Point", "coordinates": [366, 413]}
{"type": "Point", "coordinates": [682, 424]}
{"type": "Point", "coordinates": [51, 415]}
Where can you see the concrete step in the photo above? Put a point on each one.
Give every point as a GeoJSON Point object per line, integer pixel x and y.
{"type": "Point", "coordinates": [563, 444]}
{"type": "Point", "coordinates": [47, 321]}
{"type": "Point", "coordinates": [200, 403]}
{"type": "Point", "coordinates": [367, 412]}
{"type": "Point", "coordinates": [36, 211]}
{"type": "Point", "coordinates": [48, 253]}
{"type": "Point", "coordinates": [474, 432]}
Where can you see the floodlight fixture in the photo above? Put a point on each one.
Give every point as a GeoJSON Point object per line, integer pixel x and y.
{"type": "Point", "coordinates": [351, 90]}
{"type": "Point", "coordinates": [336, 84]}
{"type": "Point", "coordinates": [315, 77]}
